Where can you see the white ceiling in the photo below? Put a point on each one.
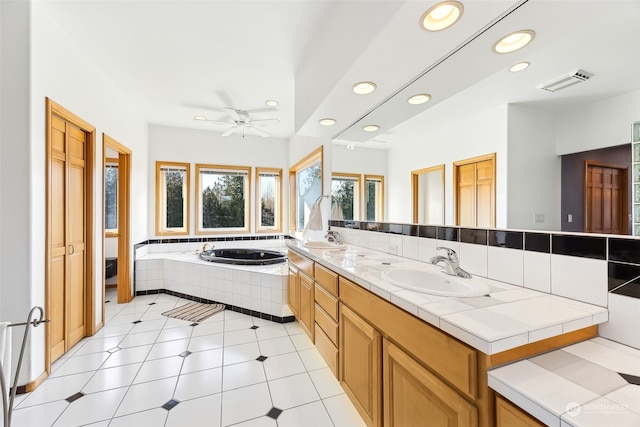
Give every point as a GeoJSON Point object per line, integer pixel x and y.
{"type": "Point", "coordinates": [178, 59]}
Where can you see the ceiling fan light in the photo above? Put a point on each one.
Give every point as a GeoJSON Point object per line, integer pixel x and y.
{"type": "Point", "coordinates": [519, 66]}
{"type": "Point", "coordinates": [327, 121]}
{"type": "Point", "coordinates": [370, 128]}
{"type": "Point", "coordinates": [514, 41]}
{"type": "Point", "coordinates": [364, 88]}
{"type": "Point", "coordinates": [441, 16]}
{"type": "Point", "coordinates": [271, 103]}
{"type": "Point", "coordinates": [419, 98]}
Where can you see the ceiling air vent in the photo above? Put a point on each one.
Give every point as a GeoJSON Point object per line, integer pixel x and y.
{"type": "Point", "coordinates": [565, 82]}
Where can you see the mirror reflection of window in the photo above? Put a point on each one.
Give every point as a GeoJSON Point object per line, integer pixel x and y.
{"type": "Point", "coordinates": [111, 196]}
{"type": "Point", "coordinates": [172, 198]}
{"type": "Point", "coordinates": [428, 195]}
{"type": "Point", "coordinates": [345, 196]}
{"type": "Point", "coordinates": [305, 180]}
{"type": "Point", "coordinates": [269, 188]}
{"type": "Point", "coordinates": [374, 197]}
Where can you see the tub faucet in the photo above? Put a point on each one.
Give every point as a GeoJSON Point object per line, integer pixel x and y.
{"type": "Point", "coordinates": [334, 236]}
{"type": "Point", "coordinates": [451, 263]}
{"type": "Point", "coordinates": [204, 247]}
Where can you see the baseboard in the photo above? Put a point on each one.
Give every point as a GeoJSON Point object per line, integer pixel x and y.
{"type": "Point", "coordinates": [32, 385]}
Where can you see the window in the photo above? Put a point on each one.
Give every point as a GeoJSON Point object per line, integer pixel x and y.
{"type": "Point", "coordinates": [345, 196]}
{"type": "Point", "coordinates": [172, 198]}
{"type": "Point", "coordinates": [374, 197]}
{"type": "Point", "coordinates": [268, 200]}
{"type": "Point", "coordinates": [111, 197]}
{"type": "Point", "coordinates": [222, 198]}
{"type": "Point", "coordinates": [305, 179]}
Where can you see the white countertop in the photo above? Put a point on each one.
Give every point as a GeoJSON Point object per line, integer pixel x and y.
{"type": "Point", "coordinates": [510, 316]}
{"type": "Point", "coordinates": [579, 385]}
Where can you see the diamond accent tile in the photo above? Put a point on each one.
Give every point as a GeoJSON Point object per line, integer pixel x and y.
{"type": "Point", "coordinates": [184, 353]}
{"type": "Point", "coordinates": [274, 413]}
{"type": "Point", "coordinates": [170, 404]}
{"type": "Point", "coordinates": [631, 379]}
{"type": "Point", "coordinates": [136, 322]}
{"type": "Point", "coordinates": [261, 358]}
{"type": "Point", "coordinates": [254, 327]}
{"type": "Point", "coordinates": [113, 350]}
{"type": "Point", "coordinates": [194, 324]}
{"type": "Point", "coordinates": [152, 303]}
{"type": "Point", "coordinates": [74, 397]}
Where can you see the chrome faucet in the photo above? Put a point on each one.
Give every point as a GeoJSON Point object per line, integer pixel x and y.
{"type": "Point", "coordinates": [451, 263]}
{"type": "Point", "coordinates": [334, 236]}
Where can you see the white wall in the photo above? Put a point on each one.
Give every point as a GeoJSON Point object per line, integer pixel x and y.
{"type": "Point", "coordinates": [469, 137]}
{"type": "Point", "coordinates": [533, 170]}
{"type": "Point", "coordinates": [598, 125]}
{"type": "Point", "coordinates": [208, 147]}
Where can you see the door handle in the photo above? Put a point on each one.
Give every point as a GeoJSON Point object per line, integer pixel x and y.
{"type": "Point", "coordinates": [71, 250]}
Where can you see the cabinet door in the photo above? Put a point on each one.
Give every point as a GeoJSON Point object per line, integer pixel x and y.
{"type": "Point", "coordinates": [508, 415]}
{"type": "Point", "coordinates": [416, 397]}
{"type": "Point", "coordinates": [360, 365]}
{"type": "Point", "coordinates": [307, 305]}
{"type": "Point", "coordinates": [294, 290]}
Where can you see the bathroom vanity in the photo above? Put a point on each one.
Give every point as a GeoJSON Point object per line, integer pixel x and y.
{"type": "Point", "coordinates": [406, 358]}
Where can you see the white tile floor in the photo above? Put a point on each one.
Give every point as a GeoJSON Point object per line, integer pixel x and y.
{"type": "Point", "coordinates": [130, 374]}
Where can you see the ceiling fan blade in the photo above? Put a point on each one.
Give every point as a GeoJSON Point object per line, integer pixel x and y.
{"type": "Point", "coordinates": [233, 113]}
{"type": "Point", "coordinates": [265, 120]}
{"type": "Point", "coordinates": [258, 131]}
{"type": "Point", "coordinates": [261, 110]}
{"type": "Point", "coordinates": [229, 131]}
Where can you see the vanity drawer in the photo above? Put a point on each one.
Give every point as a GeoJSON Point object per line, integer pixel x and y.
{"type": "Point", "coordinates": [327, 279]}
{"type": "Point", "coordinates": [304, 264]}
{"type": "Point", "coordinates": [327, 302]}
{"type": "Point", "coordinates": [327, 324]}
{"type": "Point", "coordinates": [327, 350]}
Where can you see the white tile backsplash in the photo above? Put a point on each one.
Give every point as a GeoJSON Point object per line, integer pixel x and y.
{"type": "Point", "coordinates": [505, 265]}
{"type": "Point", "coordinates": [582, 279]}
{"type": "Point", "coordinates": [473, 258]}
{"type": "Point", "coordinates": [624, 319]}
{"type": "Point", "coordinates": [410, 247]}
{"type": "Point", "coordinates": [537, 271]}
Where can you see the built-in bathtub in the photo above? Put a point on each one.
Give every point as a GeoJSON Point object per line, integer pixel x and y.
{"type": "Point", "coordinates": [258, 290]}
{"type": "Point", "coordinates": [244, 256]}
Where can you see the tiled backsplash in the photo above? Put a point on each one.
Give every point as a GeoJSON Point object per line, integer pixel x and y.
{"type": "Point", "coordinates": [595, 269]}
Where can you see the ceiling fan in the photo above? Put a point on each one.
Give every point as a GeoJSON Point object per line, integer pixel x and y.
{"type": "Point", "coordinates": [240, 120]}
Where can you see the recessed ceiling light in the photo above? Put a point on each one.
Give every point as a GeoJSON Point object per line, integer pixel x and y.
{"type": "Point", "coordinates": [514, 41]}
{"type": "Point", "coordinates": [364, 88]}
{"type": "Point", "coordinates": [271, 103]}
{"type": "Point", "coordinates": [519, 66]}
{"type": "Point", "coordinates": [441, 16]}
{"type": "Point", "coordinates": [371, 128]}
{"type": "Point", "coordinates": [419, 98]}
{"type": "Point", "coordinates": [328, 121]}
{"type": "Point", "coordinates": [199, 118]}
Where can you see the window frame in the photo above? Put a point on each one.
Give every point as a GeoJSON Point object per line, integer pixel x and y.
{"type": "Point", "coordinates": [161, 207]}
{"type": "Point", "coordinates": [115, 164]}
{"type": "Point", "coordinates": [379, 203]}
{"type": "Point", "coordinates": [247, 199]}
{"type": "Point", "coordinates": [357, 196]}
{"type": "Point", "coordinates": [315, 156]}
{"type": "Point", "coordinates": [277, 227]}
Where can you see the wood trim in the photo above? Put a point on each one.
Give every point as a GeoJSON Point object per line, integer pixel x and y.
{"type": "Point", "coordinates": [358, 198]}
{"type": "Point", "coordinates": [464, 162]}
{"type": "Point", "coordinates": [624, 213]}
{"type": "Point", "coordinates": [381, 201]}
{"type": "Point", "coordinates": [415, 177]}
{"type": "Point", "coordinates": [159, 229]}
{"type": "Point", "coordinates": [32, 385]}
{"type": "Point", "coordinates": [278, 222]}
{"type": "Point", "coordinates": [52, 108]}
{"type": "Point", "coordinates": [124, 288]}
{"type": "Point", "coordinates": [314, 156]}
{"type": "Point", "coordinates": [247, 203]}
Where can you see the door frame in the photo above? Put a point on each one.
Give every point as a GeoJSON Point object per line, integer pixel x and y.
{"type": "Point", "coordinates": [124, 289]}
{"type": "Point", "coordinates": [624, 214]}
{"type": "Point", "coordinates": [52, 108]}
{"type": "Point", "coordinates": [415, 190]}
{"type": "Point", "coordinates": [456, 166]}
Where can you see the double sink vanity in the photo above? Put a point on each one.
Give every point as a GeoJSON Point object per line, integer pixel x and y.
{"type": "Point", "coordinates": [410, 356]}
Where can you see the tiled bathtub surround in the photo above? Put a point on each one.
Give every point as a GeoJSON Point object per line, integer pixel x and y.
{"type": "Point", "coordinates": [595, 269]}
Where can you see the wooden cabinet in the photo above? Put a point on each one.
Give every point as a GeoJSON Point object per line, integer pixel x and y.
{"type": "Point", "coordinates": [306, 311]}
{"type": "Point", "coordinates": [301, 291]}
{"type": "Point", "coordinates": [361, 365]}
{"type": "Point", "coordinates": [413, 396]}
{"type": "Point", "coordinates": [294, 290]}
{"type": "Point", "coordinates": [509, 415]}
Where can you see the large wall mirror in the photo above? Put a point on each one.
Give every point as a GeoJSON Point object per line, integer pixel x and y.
{"type": "Point", "coordinates": [542, 138]}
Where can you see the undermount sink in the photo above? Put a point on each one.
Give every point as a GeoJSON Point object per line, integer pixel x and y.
{"type": "Point", "coordinates": [321, 244]}
{"type": "Point", "coordinates": [434, 283]}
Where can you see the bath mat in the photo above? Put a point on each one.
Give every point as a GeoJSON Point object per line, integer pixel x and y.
{"type": "Point", "coordinates": [194, 311]}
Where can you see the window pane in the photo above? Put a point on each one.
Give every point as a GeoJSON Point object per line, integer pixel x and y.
{"type": "Point", "coordinates": [111, 197]}
{"type": "Point", "coordinates": [343, 195]}
{"type": "Point", "coordinates": [373, 199]}
{"type": "Point", "coordinates": [175, 186]}
{"type": "Point", "coordinates": [223, 199]}
{"type": "Point", "coordinates": [309, 185]}
{"type": "Point", "coordinates": [268, 200]}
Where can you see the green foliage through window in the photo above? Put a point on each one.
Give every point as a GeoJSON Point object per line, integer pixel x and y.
{"type": "Point", "coordinates": [111, 197]}
{"type": "Point", "coordinates": [223, 199]}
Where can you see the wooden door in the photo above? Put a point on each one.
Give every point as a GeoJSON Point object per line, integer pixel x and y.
{"type": "Point", "coordinates": [605, 199]}
{"type": "Point", "coordinates": [508, 415]}
{"type": "Point", "coordinates": [307, 304]}
{"type": "Point", "coordinates": [294, 290]}
{"type": "Point", "coordinates": [475, 192]}
{"type": "Point", "coordinates": [360, 369]}
{"type": "Point", "coordinates": [69, 275]}
{"type": "Point", "coordinates": [416, 397]}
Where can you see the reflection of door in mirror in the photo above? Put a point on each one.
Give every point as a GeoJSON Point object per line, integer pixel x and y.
{"type": "Point", "coordinates": [374, 198]}
{"type": "Point", "coordinates": [111, 218]}
{"type": "Point", "coordinates": [605, 198]}
{"type": "Point", "coordinates": [427, 188]}
{"type": "Point", "coordinates": [475, 191]}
